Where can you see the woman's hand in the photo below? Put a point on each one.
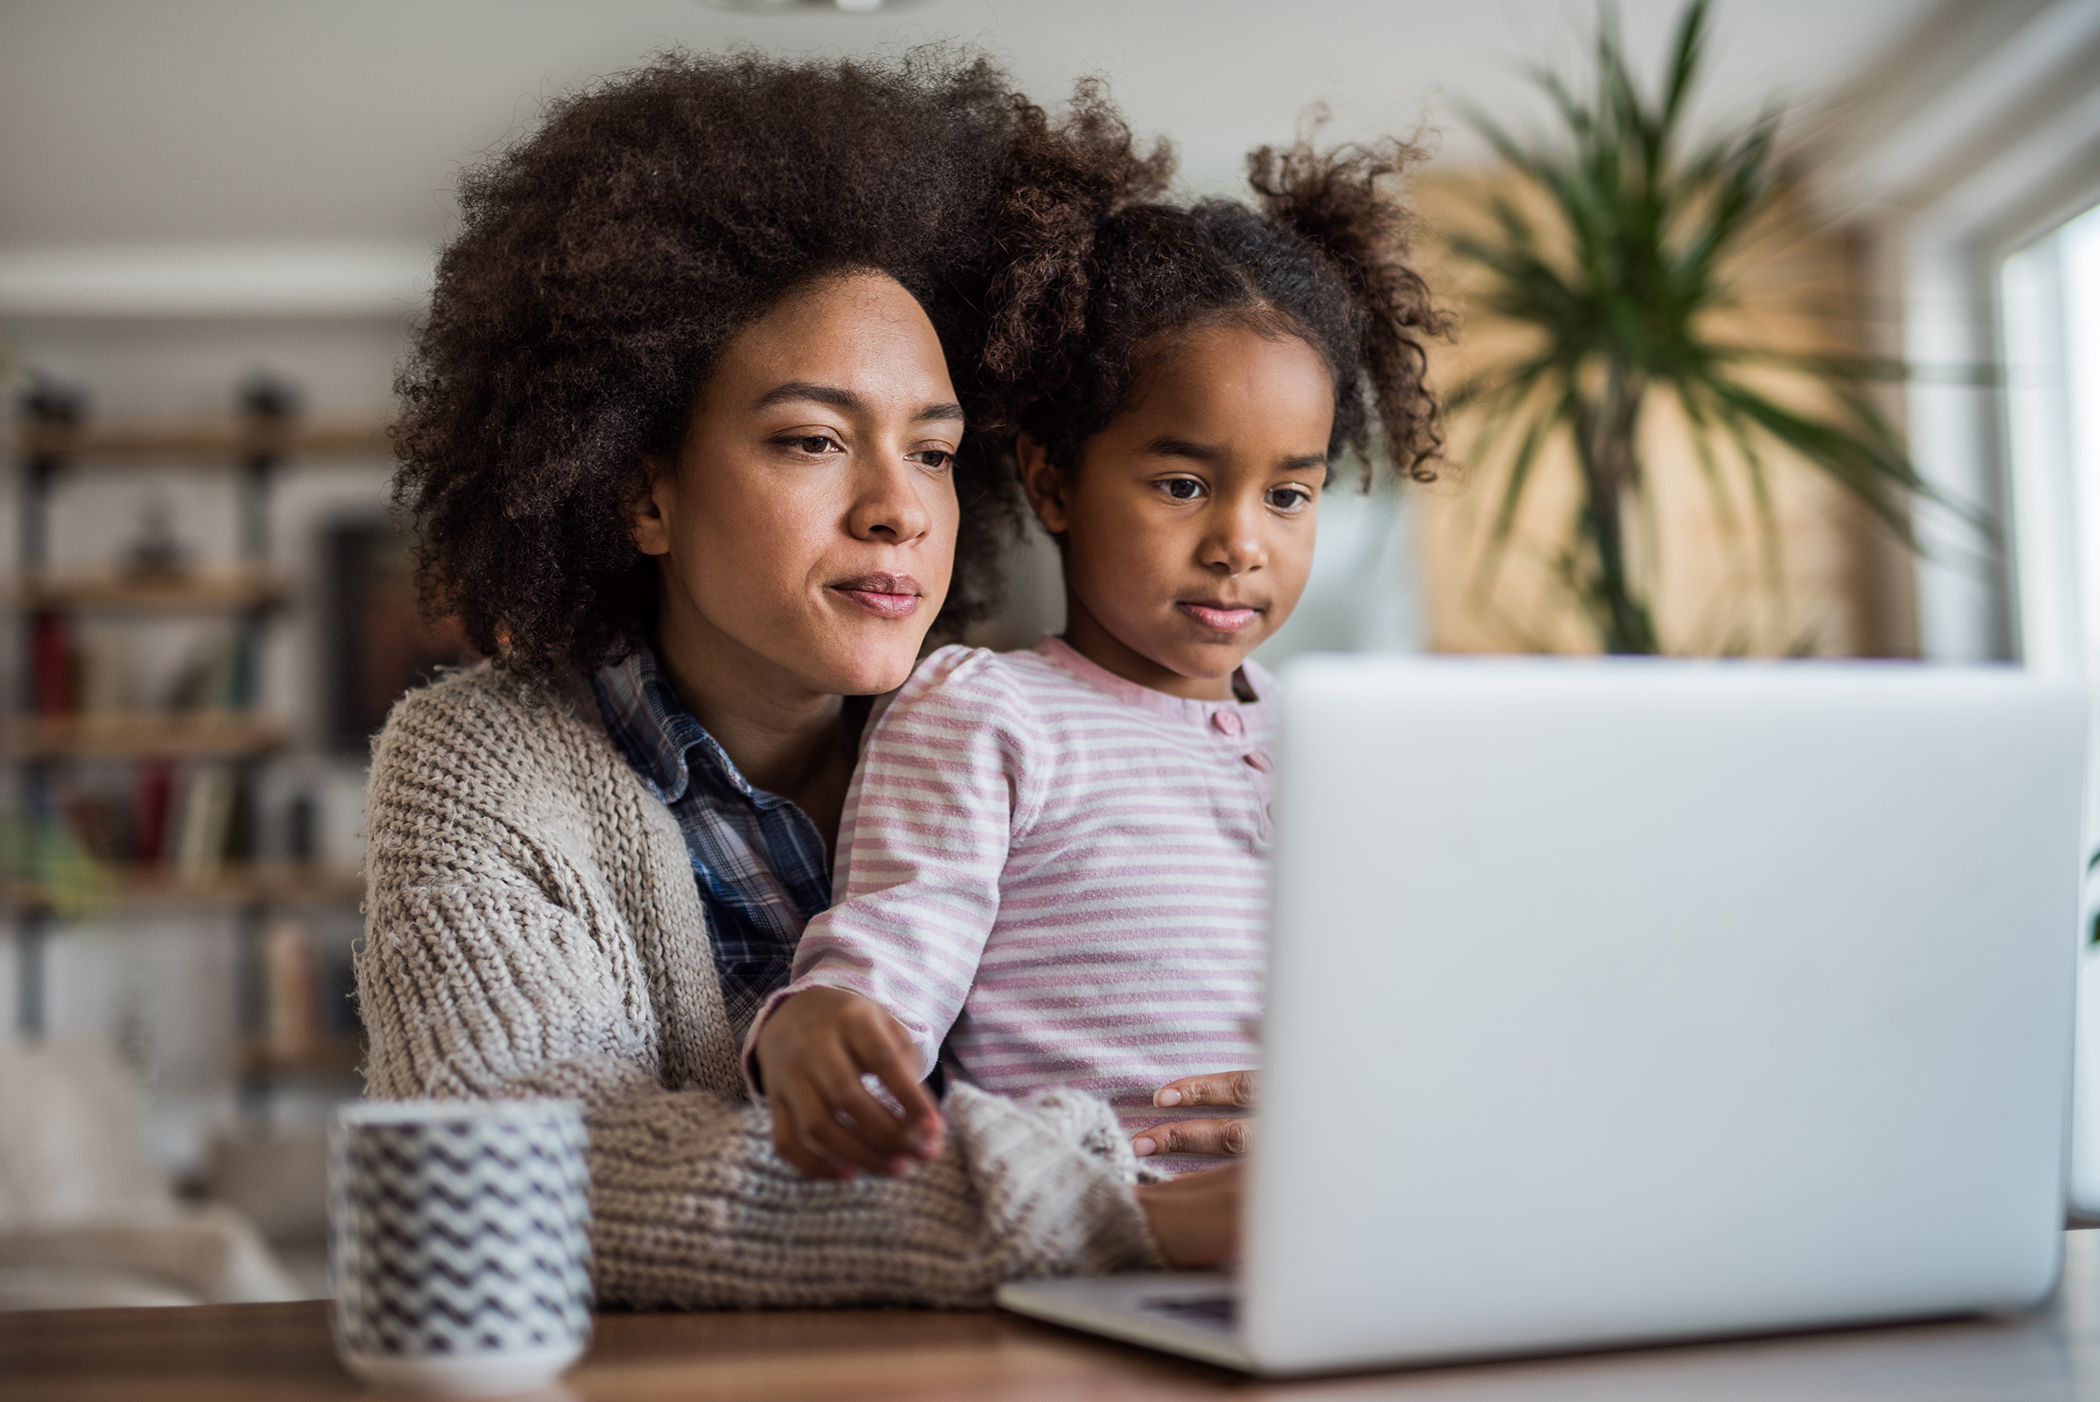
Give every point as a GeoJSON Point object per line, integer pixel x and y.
{"type": "Point", "coordinates": [811, 1055]}
{"type": "Point", "coordinates": [1228, 1136]}
{"type": "Point", "coordinates": [1195, 1217]}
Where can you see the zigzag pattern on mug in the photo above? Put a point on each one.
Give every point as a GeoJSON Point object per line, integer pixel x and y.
{"type": "Point", "coordinates": [472, 1238]}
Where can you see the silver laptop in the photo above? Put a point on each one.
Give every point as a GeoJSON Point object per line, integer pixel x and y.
{"type": "Point", "coordinates": [1621, 1002]}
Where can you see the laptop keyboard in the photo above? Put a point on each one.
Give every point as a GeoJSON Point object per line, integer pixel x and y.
{"type": "Point", "coordinates": [1219, 1312]}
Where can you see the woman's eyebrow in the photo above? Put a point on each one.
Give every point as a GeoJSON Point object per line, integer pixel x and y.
{"type": "Point", "coordinates": [809, 392]}
{"type": "Point", "coordinates": [846, 401]}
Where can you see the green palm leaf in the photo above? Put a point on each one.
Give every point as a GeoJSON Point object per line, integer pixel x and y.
{"type": "Point", "coordinates": [1619, 280]}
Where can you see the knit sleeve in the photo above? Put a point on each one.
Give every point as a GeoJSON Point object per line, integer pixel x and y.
{"type": "Point", "coordinates": [943, 783]}
{"type": "Point", "coordinates": [496, 963]}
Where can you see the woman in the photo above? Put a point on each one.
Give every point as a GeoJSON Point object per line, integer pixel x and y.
{"type": "Point", "coordinates": [683, 438]}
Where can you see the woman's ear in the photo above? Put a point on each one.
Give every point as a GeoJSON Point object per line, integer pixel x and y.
{"type": "Point", "coordinates": [1043, 483]}
{"type": "Point", "coordinates": [649, 518]}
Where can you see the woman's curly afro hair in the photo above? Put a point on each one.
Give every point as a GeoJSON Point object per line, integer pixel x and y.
{"type": "Point", "coordinates": [601, 265]}
{"type": "Point", "coordinates": [1099, 276]}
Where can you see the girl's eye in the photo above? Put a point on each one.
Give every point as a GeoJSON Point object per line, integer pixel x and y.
{"type": "Point", "coordinates": [1182, 488]}
{"type": "Point", "coordinates": [1290, 498]}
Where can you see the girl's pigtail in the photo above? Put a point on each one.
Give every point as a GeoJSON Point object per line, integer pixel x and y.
{"type": "Point", "coordinates": [1062, 181]}
{"type": "Point", "coordinates": [1333, 201]}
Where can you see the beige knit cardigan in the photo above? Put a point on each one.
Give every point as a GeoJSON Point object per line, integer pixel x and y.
{"type": "Point", "coordinates": [532, 927]}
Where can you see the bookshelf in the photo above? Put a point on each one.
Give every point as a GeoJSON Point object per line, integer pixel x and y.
{"type": "Point", "coordinates": [198, 590]}
{"type": "Point", "coordinates": [179, 833]}
{"type": "Point", "coordinates": [128, 889]}
{"type": "Point", "coordinates": [205, 735]}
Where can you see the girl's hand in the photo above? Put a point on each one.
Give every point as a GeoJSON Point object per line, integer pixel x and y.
{"type": "Point", "coordinates": [1229, 1136]}
{"type": "Point", "coordinates": [1195, 1217]}
{"type": "Point", "coordinates": [811, 1055]}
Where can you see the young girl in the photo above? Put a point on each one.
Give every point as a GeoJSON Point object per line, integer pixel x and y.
{"type": "Point", "coordinates": [1052, 863]}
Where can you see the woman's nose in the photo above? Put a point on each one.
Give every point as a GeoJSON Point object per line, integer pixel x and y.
{"type": "Point", "coordinates": [889, 506]}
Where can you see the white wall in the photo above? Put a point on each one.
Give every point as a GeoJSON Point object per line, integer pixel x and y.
{"type": "Point", "coordinates": [274, 119]}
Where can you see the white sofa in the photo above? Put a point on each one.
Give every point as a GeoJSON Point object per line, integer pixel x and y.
{"type": "Point", "coordinates": [86, 1218]}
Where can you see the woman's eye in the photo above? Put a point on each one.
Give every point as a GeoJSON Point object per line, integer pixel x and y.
{"type": "Point", "coordinates": [1182, 488]}
{"type": "Point", "coordinates": [939, 459]}
{"type": "Point", "coordinates": [814, 443]}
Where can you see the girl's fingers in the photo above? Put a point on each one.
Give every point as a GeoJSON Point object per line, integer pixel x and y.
{"type": "Point", "coordinates": [788, 1143]}
{"type": "Point", "coordinates": [875, 1125]}
{"type": "Point", "coordinates": [826, 1136]}
{"type": "Point", "coordinates": [826, 1149]}
{"type": "Point", "coordinates": [1233, 1088]}
{"type": "Point", "coordinates": [893, 1060]}
{"type": "Point", "coordinates": [1228, 1138]}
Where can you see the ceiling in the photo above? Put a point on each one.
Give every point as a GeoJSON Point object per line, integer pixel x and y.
{"type": "Point", "coordinates": [257, 120]}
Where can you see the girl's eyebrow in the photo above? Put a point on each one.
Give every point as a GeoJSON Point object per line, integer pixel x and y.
{"type": "Point", "coordinates": [1167, 446]}
{"type": "Point", "coordinates": [846, 401]}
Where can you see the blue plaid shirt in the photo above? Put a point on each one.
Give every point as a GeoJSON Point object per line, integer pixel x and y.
{"type": "Point", "coordinates": [758, 858]}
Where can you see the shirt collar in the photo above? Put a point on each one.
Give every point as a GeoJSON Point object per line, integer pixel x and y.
{"type": "Point", "coordinates": [1250, 678]}
{"type": "Point", "coordinates": [667, 747]}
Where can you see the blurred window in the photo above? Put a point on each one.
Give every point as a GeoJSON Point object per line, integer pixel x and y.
{"type": "Point", "coordinates": [2049, 293]}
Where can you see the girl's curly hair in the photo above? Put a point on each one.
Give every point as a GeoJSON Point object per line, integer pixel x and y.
{"type": "Point", "coordinates": [602, 264]}
{"type": "Point", "coordinates": [1099, 275]}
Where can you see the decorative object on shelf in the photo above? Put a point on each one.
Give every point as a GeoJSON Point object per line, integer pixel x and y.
{"type": "Point", "coordinates": [156, 553]}
{"type": "Point", "coordinates": [1618, 287]}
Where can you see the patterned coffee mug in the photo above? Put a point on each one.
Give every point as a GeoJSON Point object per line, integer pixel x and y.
{"type": "Point", "coordinates": [461, 1243]}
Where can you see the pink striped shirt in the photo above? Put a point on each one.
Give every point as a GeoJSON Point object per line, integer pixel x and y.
{"type": "Point", "coordinates": [1060, 874]}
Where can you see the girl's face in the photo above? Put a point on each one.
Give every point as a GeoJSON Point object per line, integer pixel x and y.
{"type": "Point", "coordinates": [807, 526]}
{"type": "Point", "coordinates": [1188, 525]}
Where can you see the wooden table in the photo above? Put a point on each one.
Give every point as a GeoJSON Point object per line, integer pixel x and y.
{"type": "Point", "coordinates": [275, 1353]}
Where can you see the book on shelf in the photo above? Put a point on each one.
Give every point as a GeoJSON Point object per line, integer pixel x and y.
{"type": "Point", "coordinates": [216, 677]}
{"type": "Point", "coordinates": [53, 665]}
{"type": "Point", "coordinates": [204, 824]}
{"type": "Point", "coordinates": [309, 1012]}
{"type": "Point", "coordinates": [292, 1018]}
{"type": "Point", "coordinates": [149, 815]}
{"type": "Point", "coordinates": [72, 676]}
{"type": "Point", "coordinates": [191, 821]}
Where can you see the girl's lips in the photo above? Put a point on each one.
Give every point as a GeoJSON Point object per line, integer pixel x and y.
{"type": "Point", "coordinates": [1226, 619]}
{"type": "Point", "coordinates": [884, 595]}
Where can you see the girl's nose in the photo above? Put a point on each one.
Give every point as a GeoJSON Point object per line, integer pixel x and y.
{"type": "Point", "coordinates": [1234, 544]}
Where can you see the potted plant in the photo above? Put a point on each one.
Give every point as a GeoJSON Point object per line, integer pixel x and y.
{"type": "Point", "coordinates": [1617, 286]}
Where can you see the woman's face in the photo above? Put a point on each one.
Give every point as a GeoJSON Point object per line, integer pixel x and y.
{"type": "Point", "coordinates": [806, 530]}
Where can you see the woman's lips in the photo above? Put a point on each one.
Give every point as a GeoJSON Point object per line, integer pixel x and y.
{"type": "Point", "coordinates": [1226, 618]}
{"type": "Point", "coordinates": [884, 595]}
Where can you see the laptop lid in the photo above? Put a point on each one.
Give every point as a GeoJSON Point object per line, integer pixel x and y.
{"type": "Point", "coordinates": [1623, 1001]}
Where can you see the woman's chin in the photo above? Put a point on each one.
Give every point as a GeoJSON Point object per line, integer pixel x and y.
{"type": "Point", "coordinates": [870, 671]}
